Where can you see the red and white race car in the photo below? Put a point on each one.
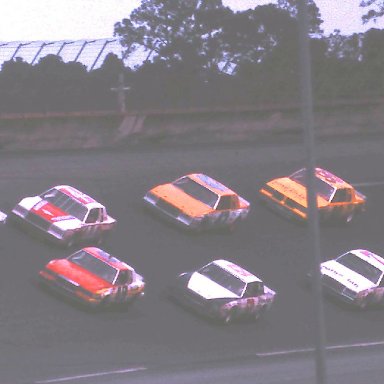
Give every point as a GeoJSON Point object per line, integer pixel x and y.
{"type": "Point", "coordinates": [93, 277]}
{"type": "Point", "coordinates": [65, 215]}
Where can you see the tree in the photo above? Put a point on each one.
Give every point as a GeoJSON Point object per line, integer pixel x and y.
{"type": "Point", "coordinates": [176, 31]}
{"type": "Point", "coordinates": [314, 13]}
{"type": "Point", "coordinates": [375, 9]}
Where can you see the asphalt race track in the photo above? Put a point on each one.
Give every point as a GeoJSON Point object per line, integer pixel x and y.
{"type": "Point", "coordinates": [44, 338]}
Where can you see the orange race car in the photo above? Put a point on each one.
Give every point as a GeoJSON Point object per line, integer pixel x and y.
{"type": "Point", "coordinates": [198, 202]}
{"type": "Point", "coordinates": [337, 200]}
{"type": "Point", "coordinates": [94, 277]}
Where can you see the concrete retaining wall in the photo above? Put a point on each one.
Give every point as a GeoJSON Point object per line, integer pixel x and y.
{"type": "Point", "coordinates": [109, 129]}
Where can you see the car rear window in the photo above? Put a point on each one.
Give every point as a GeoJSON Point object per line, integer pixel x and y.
{"type": "Point", "coordinates": [65, 202]}
{"type": "Point", "coordinates": [94, 265]}
{"type": "Point", "coordinates": [197, 191]}
{"type": "Point", "coordinates": [360, 266]}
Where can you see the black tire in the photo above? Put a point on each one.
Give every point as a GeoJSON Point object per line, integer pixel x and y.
{"type": "Point", "coordinates": [70, 243]}
{"type": "Point", "coordinates": [349, 218]}
{"type": "Point", "coordinates": [229, 317]}
{"type": "Point", "coordinates": [260, 313]}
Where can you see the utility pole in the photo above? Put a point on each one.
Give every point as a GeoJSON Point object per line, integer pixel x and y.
{"type": "Point", "coordinates": [121, 90]}
{"type": "Point", "coordinates": [313, 220]}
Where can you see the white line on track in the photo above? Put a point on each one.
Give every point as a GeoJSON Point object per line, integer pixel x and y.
{"type": "Point", "coordinates": [368, 184]}
{"type": "Point", "coordinates": [86, 376]}
{"type": "Point", "coordinates": [330, 348]}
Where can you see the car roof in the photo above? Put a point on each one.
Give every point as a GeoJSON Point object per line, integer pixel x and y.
{"type": "Point", "coordinates": [236, 270]}
{"type": "Point", "coordinates": [372, 258]}
{"type": "Point", "coordinates": [107, 258]}
{"type": "Point", "coordinates": [79, 196]}
{"type": "Point", "coordinates": [330, 178]}
{"type": "Point", "coordinates": [210, 183]}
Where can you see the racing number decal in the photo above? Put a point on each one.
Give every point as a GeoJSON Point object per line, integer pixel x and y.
{"type": "Point", "coordinates": [223, 217]}
{"type": "Point", "coordinates": [121, 293]}
{"type": "Point", "coordinates": [250, 303]}
{"type": "Point", "coordinates": [227, 217]}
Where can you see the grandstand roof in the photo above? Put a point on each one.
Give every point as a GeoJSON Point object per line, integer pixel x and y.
{"type": "Point", "coordinates": [91, 53]}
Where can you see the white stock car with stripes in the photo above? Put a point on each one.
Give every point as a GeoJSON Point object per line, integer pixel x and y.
{"type": "Point", "coordinates": [355, 277]}
{"type": "Point", "coordinates": [224, 291]}
{"type": "Point", "coordinates": [65, 215]}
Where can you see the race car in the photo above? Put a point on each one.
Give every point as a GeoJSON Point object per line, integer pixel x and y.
{"type": "Point", "coordinates": [337, 201]}
{"type": "Point", "coordinates": [198, 202]}
{"type": "Point", "coordinates": [93, 277]}
{"type": "Point", "coordinates": [65, 215]}
{"type": "Point", "coordinates": [224, 291]}
{"type": "Point", "coordinates": [355, 277]}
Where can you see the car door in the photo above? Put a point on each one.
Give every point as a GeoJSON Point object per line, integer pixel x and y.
{"type": "Point", "coordinates": [122, 289]}
{"type": "Point", "coordinates": [342, 202]}
{"type": "Point", "coordinates": [226, 208]}
{"type": "Point", "coordinates": [379, 293]}
{"type": "Point", "coordinates": [91, 226]}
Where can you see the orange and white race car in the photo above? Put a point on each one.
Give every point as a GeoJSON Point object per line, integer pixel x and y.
{"type": "Point", "coordinates": [93, 277]}
{"type": "Point", "coordinates": [65, 215]}
{"type": "Point", "coordinates": [198, 202]}
{"type": "Point", "coordinates": [337, 200]}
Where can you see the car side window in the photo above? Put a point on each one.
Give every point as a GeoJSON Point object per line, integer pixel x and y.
{"type": "Point", "coordinates": [342, 195]}
{"type": "Point", "coordinates": [234, 202]}
{"type": "Point", "coordinates": [93, 216]}
{"type": "Point", "coordinates": [123, 278]}
{"type": "Point", "coordinates": [254, 289]}
{"type": "Point", "coordinates": [224, 203]}
{"type": "Point", "coordinates": [382, 282]}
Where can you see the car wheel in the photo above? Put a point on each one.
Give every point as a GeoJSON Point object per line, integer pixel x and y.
{"type": "Point", "coordinates": [70, 242]}
{"type": "Point", "coordinates": [229, 316]}
{"type": "Point", "coordinates": [258, 314]}
{"type": "Point", "coordinates": [349, 217]}
{"type": "Point", "coordinates": [100, 240]}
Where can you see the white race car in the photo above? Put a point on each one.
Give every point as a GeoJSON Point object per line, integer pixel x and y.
{"type": "Point", "coordinates": [356, 277]}
{"type": "Point", "coordinates": [65, 215]}
{"type": "Point", "coordinates": [224, 291]}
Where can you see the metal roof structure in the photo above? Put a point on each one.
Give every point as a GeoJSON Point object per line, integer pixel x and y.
{"type": "Point", "coordinates": [91, 53]}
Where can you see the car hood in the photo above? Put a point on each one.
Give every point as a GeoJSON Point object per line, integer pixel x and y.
{"type": "Point", "coordinates": [51, 213]}
{"type": "Point", "coordinates": [295, 191]}
{"type": "Point", "coordinates": [78, 275]}
{"type": "Point", "coordinates": [208, 289]}
{"type": "Point", "coordinates": [346, 276]}
{"type": "Point", "coordinates": [179, 199]}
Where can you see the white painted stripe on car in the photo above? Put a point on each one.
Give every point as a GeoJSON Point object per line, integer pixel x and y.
{"type": "Point", "coordinates": [89, 375]}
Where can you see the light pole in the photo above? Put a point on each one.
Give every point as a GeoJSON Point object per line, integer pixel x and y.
{"type": "Point", "coordinates": [313, 220]}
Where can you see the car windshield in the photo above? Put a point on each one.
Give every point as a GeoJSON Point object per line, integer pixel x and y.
{"type": "Point", "coordinates": [225, 279]}
{"type": "Point", "coordinates": [65, 202]}
{"type": "Point", "coordinates": [197, 191]}
{"type": "Point", "coordinates": [321, 187]}
{"type": "Point", "coordinates": [94, 265]}
{"type": "Point", "coordinates": [360, 266]}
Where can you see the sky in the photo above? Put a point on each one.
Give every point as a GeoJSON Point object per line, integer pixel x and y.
{"type": "Point", "coordinates": [55, 20]}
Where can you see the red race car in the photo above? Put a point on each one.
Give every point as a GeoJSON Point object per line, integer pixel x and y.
{"type": "Point", "coordinates": [94, 277]}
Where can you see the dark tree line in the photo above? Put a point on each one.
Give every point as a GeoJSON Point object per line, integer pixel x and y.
{"type": "Point", "coordinates": [202, 54]}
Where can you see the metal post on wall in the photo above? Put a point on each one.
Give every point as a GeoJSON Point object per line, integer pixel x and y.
{"type": "Point", "coordinates": [313, 220]}
{"type": "Point", "coordinates": [121, 90]}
